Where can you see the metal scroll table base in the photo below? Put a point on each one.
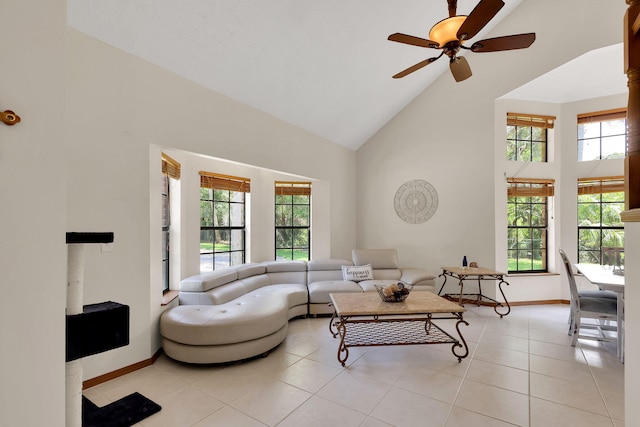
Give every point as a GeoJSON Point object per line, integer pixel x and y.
{"type": "Point", "coordinates": [477, 298]}
{"type": "Point", "coordinates": [383, 331]}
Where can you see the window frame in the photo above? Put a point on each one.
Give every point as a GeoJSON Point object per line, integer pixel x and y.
{"type": "Point", "coordinates": [518, 121]}
{"type": "Point", "coordinates": [170, 170]}
{"type": "Point", "coordinates": [531, 192]}
{"type": "Point", "coordinates": [599, 186]}
{"type": "Point", "coordinates": [601, 117]}
{"type": "Point", "coordinates": [292, 190]}
{"type": "Point", "coordinates": [231, 186]}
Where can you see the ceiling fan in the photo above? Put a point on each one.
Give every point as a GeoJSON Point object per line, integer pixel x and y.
{"type": "Point", "coordinates": [450, 34]}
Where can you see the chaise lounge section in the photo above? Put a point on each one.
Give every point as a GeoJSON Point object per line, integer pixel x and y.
{"type": "Point", "coordinates": [244, 311]}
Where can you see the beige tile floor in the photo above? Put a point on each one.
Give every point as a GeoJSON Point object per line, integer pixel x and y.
{"type": "Point", "coordinates": [521, 371]}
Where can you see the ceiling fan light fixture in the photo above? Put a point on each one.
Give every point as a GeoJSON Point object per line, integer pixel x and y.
{"type": "Point", "coordinates": [446, 30]}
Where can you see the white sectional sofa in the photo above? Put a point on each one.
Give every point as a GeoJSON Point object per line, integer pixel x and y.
{"type": "Point", "coordinates": [244, 311]}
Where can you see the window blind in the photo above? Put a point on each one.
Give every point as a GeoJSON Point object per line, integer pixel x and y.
{"type": "Point", "coordinates": [601, 116]}
{"type": "Point", "coordinates": [170, 167]}
{"type": "Point", "coordinates": [600, 185]}
{"type": "Point", "coordinates": [535, 120]}
{"type": "Point", "coordinates": [224, 182]}
{"type": "Point", "coordinates": [290, 188]}
{"type": "Point", "coordinates": [530, 187]}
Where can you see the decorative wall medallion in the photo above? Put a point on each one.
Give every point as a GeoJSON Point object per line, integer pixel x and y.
{"type": "Point", "coordinates": [416, 201]}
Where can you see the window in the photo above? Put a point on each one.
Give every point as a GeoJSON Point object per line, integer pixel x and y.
{"type": "Point", "coordinates": [170, 170]}
{"type": "Point", "coordinates": [293, 220]}
{"type": "Point", "coordinates": [222, 220]}
{"type": "Point", "coordinates": [527, 137]}
{"type": "Point", "coordinates": [602, 135]}
{"type": "Point", "coordinates": [600, 229]}
{"type": "Point", "coordinates": [527, 216]}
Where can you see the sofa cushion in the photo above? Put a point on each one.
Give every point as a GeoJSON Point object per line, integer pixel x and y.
{"type": "Point", "coordinates": [251, 316]}
{"type": "Point", "coordinates": [357, 273]}
{"type": "Point", "coordinates": [319, 291]}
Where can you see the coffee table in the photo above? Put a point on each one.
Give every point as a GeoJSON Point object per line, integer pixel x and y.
{"type": "Point", "coordinates": [363, 319]}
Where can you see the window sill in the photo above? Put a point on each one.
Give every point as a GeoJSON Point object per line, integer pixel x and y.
{"type": "Point", "coordinates": [168, 297]}
{"type": "Point", "coordinates": [531, 274]}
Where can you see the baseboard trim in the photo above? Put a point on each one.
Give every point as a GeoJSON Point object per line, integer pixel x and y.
{"type": "Point", "coordinates": [540, 302]}
{"type": "Point", "coordinates": [120, 372]}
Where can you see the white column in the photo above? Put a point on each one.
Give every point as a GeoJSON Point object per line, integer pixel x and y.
{"type": "Point", "coordinates": [75, 277]}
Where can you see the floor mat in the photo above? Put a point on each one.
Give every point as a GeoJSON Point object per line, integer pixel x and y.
{"type": "Point", "coordinates": [121, 413]}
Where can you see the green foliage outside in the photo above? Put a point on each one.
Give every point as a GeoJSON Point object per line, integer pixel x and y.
{"type": "Point", "coordinates": [293, 255]}
{"type": "Point", "coordinates": [596, 212]}
{"type": "Point", "coordinates": [208, 247]}
{"type": "Point", "coordinates": [527, 233]}
{"type": "Point", "coordinates": [524, 264]}
{"type": "Point", "coordinates": [526, 143]}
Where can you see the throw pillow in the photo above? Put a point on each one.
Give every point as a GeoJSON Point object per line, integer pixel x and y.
{"type": "Point", "coordinates": [357, 273]}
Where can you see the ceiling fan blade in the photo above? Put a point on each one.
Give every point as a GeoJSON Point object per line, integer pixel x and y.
{"type": "Point", "coordinates": [460, 68]}
{"type": "Point", "coordinates": [412, 40]}
{"type": "Point", "coordinates": [478, 18]}
{"type": "Point", "coordinates": [415, 67]}
{"type": "Point", "coordinates": [516, 41]}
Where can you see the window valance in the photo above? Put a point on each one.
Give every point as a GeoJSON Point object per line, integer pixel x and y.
{"type": "Point", "coordinates": [535, 120]}
{"type": "Point", "coordinates": [600, 185]}
{"type": "Point", "coordinates": [530, 187]}
{"type": "Point", "coordinates": [601, 116]}
{"type": "Point", "coordinates": [170, 167]}
{"type": "Point", "coordinates": [291, 188]}
{"type": "Point", "coordinates": [224, 182]}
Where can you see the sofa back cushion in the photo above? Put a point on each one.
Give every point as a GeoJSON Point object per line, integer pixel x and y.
{"type": "Point", "coordinates": [378, 258]}
{"type": "Point", "coordinates": [320, 270]}
{"type": "Point", "coordinates": [250, 269]}
{"type": "Point", "coordinates": [286, 272]}
{"type": "Point", "coordinates": [207, 281]}
{"type": "Point", "coordinates": [226, 293]}
{"type": "Point", "coordinates": [255, 282]}
{"type": "Point", "coordinates": [383, 261]}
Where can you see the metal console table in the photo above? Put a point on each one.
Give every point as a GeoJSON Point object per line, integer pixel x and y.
{"type": "Point", "coordinates": [476, 273]}
{"type": "Point", "coordinates": [363, 319]}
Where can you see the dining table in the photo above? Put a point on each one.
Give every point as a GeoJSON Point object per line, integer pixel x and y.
{"type": "Point", "coordinates": [608, 278]}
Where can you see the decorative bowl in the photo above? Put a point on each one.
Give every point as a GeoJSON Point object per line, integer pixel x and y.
{"type": "Point", "coordinates": [394, 292]}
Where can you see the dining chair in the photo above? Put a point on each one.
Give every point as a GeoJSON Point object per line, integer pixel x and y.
{"type": "Point", "coordinates": [596, 305]}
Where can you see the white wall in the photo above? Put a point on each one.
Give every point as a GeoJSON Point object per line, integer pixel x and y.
{"type": "Point", "coordinates": [122, 110]}
{"type": "Point", "coordinates": [632, 323]}
{"type": "Point", "coordinates": [32, 214]}
{"type": "Point", "coordinates": [447, 135]}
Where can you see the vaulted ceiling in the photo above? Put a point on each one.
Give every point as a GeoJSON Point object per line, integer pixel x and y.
{"type": "Point", "coordinates": [323, 66]}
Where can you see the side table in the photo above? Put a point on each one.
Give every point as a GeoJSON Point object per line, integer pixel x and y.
{"type": "Point", "coordinates": [475, 273]}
